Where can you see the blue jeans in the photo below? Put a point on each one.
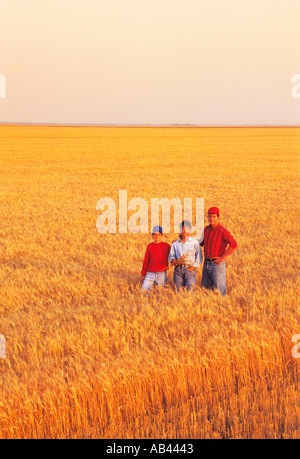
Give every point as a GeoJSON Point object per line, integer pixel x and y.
{"type": "Point", "coordinates": [184, 278]}
{"type": "Point", "coordinates": [158, 278]}
{"type": "Point", "coordinates": [214, 276]}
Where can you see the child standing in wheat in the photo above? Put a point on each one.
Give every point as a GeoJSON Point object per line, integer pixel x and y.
{"type": "Point", "coordinates": [154, 270]}
{"type": "Point", "coordinates": [186, 256]}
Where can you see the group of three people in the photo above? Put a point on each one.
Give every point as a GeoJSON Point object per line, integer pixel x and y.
{"type": "Point", "coordinates": [186, 256]}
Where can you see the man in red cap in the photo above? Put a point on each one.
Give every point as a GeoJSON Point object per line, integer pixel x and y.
{"type": "Point", "coordinates": [218, 244]}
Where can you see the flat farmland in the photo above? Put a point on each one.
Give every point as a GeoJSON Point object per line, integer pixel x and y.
{"type": "Point", "coordinates": [89, 356]}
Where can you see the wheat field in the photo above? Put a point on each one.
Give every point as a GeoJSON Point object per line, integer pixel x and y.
{"type": "Point", "coordinates": [89, 356]}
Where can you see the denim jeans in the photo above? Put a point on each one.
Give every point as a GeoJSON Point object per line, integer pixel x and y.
{"type": "Point", "coordinates": [214, 276]}
{"type": "Point", "coordinates": [184, 278]}
{"type": "Point", "coordinates": [158, 278]}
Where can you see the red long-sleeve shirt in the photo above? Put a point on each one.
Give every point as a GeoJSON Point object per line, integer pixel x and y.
{"type": "Point", "coordinates": [156, 257]}
{"type": "Point", "coordinates": [215, 241]}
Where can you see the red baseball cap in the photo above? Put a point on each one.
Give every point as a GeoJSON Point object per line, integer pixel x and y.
{"type": "Point", "coordinates": [214, 210]}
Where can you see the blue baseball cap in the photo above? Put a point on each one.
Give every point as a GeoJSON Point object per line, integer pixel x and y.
{"type": "Point", "coordinates": [157, 229]}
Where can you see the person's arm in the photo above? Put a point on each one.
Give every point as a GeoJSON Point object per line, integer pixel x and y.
{"type": "Point", "coordinates": [172, 255]}
{"type": "Point", "coordinates": [146, 262]}
{"type": "Point", "coordinates": [225, 255]}
{"type": "Point", "coordinates": [198, 258]}
{"type": "Point", "coordinates": [201, 240]}
{"type": "Point", "coordinates": [232, 246]}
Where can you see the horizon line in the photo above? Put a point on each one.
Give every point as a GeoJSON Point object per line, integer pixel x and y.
{"type": "Point", "coordinates": [143, 125]}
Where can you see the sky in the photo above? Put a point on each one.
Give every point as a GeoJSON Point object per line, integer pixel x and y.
{"type": "Point", "coordinates": [203, 62]}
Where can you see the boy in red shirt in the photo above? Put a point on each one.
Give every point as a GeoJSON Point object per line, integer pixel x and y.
{"type": "Point", "coordinates": [155, 264]}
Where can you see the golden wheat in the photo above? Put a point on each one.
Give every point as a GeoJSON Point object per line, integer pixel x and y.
{"type": "Point", "coordinates": [88, 356]}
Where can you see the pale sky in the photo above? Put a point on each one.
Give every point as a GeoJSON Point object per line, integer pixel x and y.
{"type": "Point", "coordinates": [205, 62]}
